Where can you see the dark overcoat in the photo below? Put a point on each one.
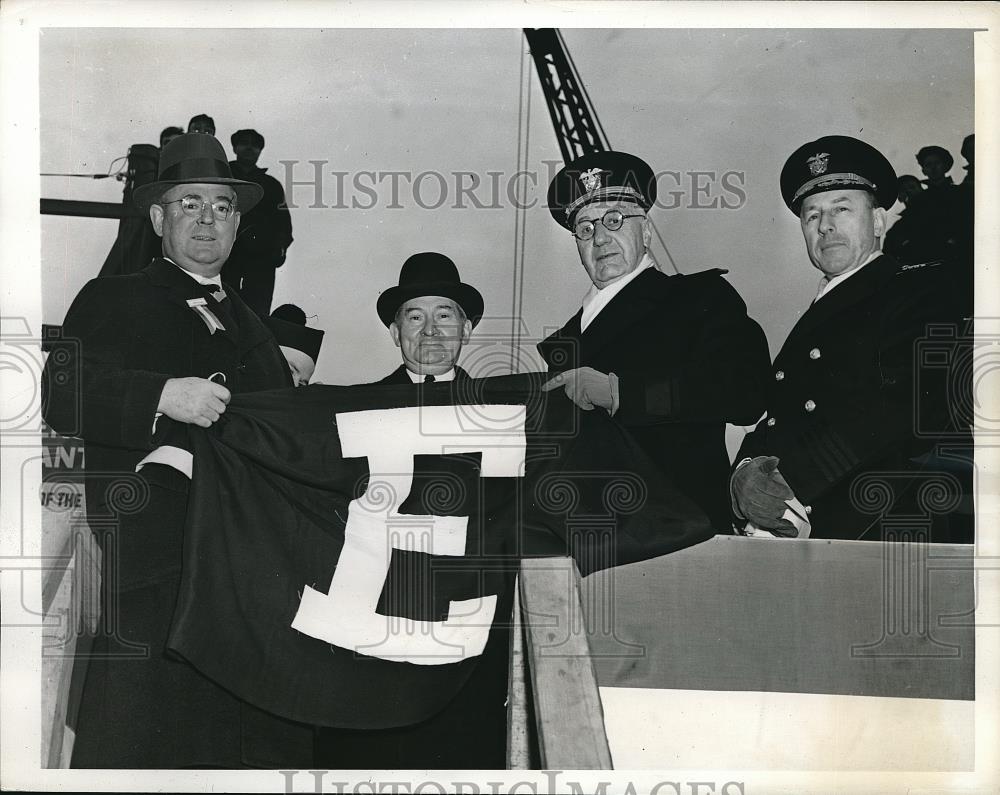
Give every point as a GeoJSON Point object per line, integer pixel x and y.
{"type": "Point", "coordinates": [123, 337]}
{"type": "Point", "coordinates": [858, 398]}
{"type": "Point", "coordinates": [689, 360]}
{"type": "Point", "coordinates": [264, 235]}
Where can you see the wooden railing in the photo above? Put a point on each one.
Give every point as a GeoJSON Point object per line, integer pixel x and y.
{"type": "Point", "coordinates": [557, 675]}
{"type": "Point", "coordinates": [880, 634]}
{"type": "Point", "coordinates": [70, 595]}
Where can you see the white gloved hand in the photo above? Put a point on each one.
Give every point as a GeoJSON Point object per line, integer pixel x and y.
{"type": "Point", "coordinates": [585, 386]}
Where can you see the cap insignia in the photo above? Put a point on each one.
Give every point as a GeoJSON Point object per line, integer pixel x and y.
{"type": "Point", "coordinates": [818, 163]}
{"type": "Point", "coordinates": [591, 179]}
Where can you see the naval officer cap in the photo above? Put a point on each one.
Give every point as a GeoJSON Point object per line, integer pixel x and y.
{"type": "Point", "coordinates": [837, 162]}
{"type": "Point", "coordinates": [600, 177]}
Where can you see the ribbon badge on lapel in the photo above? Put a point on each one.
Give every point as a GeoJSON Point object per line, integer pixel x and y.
{"type": "Point", "coordinates": [200, 306]}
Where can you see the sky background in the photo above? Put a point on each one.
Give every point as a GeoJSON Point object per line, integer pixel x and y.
{"type": "Point", "coordinates": [445, 101]}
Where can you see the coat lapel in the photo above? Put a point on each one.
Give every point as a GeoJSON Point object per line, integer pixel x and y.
{"type": "Point", "coordinates": [178, 288]}
{"type": "Point", "coordinates": [569, 347]}
{"type": "Point", "coordinates": [397, 376]}
{"type": "Point", "coordinates": [856, 289]}
{"type": "Point", "coordinates": [558, 347]}
{"type": "Point", "coordinates": [643, 295]}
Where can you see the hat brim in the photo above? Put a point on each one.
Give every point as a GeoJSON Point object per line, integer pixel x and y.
{"type": "Point", "coordinates": [248, 194]}
{"type": "Point", "coordinates": [465, 295]}
{"type": "Point", "coordinates": [292, 335]}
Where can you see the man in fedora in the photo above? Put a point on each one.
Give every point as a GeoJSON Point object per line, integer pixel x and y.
{"type": "Point", "coordinates": [430, 315]}
{"type": "Point", "coordinates": [165, 340]}
{"type": "Point", "coordinates": [851, 416]}
{"type": "Point", "coordinates": [671, 358]}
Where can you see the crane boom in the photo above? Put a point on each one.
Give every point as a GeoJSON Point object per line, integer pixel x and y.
{"type": "Point", "coordinates": [573, 117]}
{"type": "Point", "coordinates": [577, 127]}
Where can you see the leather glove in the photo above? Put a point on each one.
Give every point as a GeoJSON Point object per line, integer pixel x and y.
{"type": "Point", "coordinates": [585, 386]}
{"type": "Point", "coordinates": [759, 494]}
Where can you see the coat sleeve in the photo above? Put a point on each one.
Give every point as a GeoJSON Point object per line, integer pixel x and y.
{"type": "Point", "coordinates": [911, 403]}
{"type": "Point", "coordinates": [721, 380]}
{"type": "Point", "coordinates": [87, 388]}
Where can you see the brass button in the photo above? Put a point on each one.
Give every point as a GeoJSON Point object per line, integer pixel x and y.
{"type": "Point", "coordinates": [770, 422]}
{"type": "Point", "coordinates": [779, 376]}
{"type": "Point", "coordinates": [809, 510]}
{"type": "Point", "coordinates": [810, 405]}
{"type": "Point", "coordinates": [814, 353]}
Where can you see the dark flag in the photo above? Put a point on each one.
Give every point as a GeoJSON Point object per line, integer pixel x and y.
{"type": "Point", "coordinates": [350, 551]}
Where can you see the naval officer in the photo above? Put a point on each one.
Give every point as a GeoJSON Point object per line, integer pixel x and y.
{"type": "Point", "coordinates": [847, 404]}
{"type": "Point", "coordinates": [671, 358]}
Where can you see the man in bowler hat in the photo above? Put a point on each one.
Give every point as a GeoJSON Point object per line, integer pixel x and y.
{"type": "Point", "coordinates": [848, 409]}
{"type": "Point", "coordinates": [430, 315]}
{"type": "Point", "coordinates": [165, 341]}
{"type": "Point", "coordinates": [671, 358]}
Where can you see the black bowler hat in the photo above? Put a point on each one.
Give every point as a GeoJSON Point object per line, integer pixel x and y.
{"type": "Point", "coordinates": [250, 135]}
{"type": "Point", "coordinates": [430, 273]}
{"type": "Point", "coordinates": [288, 324]}
{"type": "Point", "coordinates": [600, 177]}
{"type": "Point", "coordinates": [196, 157]}
{"type": "Point", "coordinates": [940, 151]}
{"type": "Point", "coordinates": [837, 162]}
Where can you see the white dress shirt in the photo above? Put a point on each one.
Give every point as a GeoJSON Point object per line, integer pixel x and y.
{"type": "Point", "coordinates": [825, 284]}
{"type": "Point", "coordinates": [215, 281]}
{"type": "Point", "coordinates": [417, 378]}
{"type": "Point", "coordinates": [597, 298]}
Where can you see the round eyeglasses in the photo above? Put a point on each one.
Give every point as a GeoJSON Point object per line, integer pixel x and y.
{"type": "Point", "coordinates": [612, 220]}
{"type": "Point", "coordinates": [194, 206]}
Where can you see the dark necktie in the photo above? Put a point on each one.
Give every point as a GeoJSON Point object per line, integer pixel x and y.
{"type": "Point", "coordinates": [428, 379]}
{"type": "Point", "coordinates": [213, 291]}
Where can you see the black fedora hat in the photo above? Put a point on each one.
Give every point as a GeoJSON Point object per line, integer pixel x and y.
{"type": "Point", "coordinates": [196, 157]}
{"type": "Point", "coordinates": [430, 273]}
{"type": "Point", "coordinates": [288, 324]}
{"type": "Point", "coordinates": [292, 335]}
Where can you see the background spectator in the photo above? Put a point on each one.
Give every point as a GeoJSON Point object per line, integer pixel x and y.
{"type": "Point", "coordinates": [202, 123]}
{"type": "Point", "coordinates": [265, 231]}
{"type": "Point", "coordinates": [168, 134]}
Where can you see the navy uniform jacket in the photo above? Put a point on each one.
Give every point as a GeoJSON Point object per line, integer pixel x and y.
{"type": "Point", "coordinates": [124, 336]}
{"type": "Point", "coordinates": [688, 360]}
{"type": "Point", "coordinates": [846, 399]}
